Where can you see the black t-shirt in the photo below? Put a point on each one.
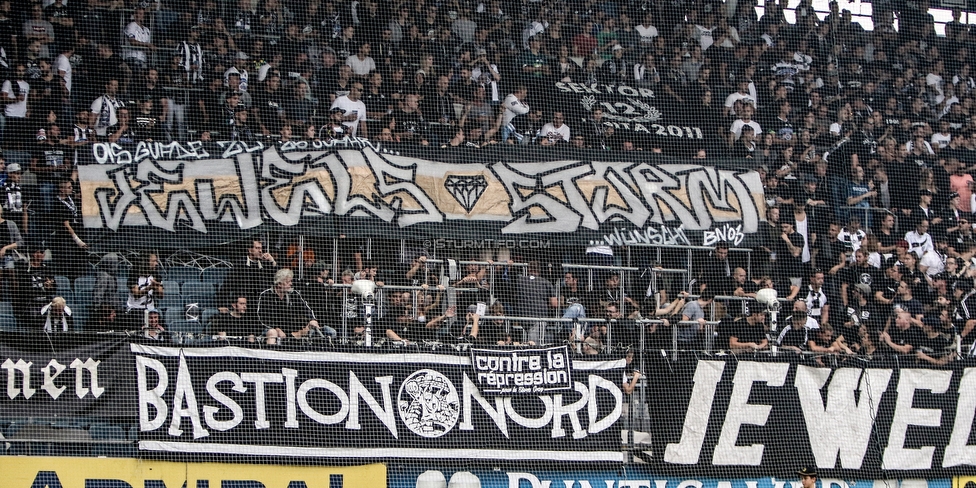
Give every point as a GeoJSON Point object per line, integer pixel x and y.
{"type": "Point", "coordinates": [860, 275]}
{"type": "Point", "coordinates": [411, 122]}
{"type": "Point", "coordinates": [377, 102]}
{"type": "Point", "coordinates": [270, 109]}
{"type": "Point", "coordinates": [839, 157]}
{"type": "Point", "coordinates": [782, 128]}
{"type": "Point", "coordinates": [242, 326]}
{"type": "Point", "coordinates": [412, 330]}
{"type": "Point", "coordinates": [8, 31]}
{"type": "Point", "coordinates": [743, 331]}
{"type": "Point", "coordinates": [66, 210]}
{"type": "Point", "coordinates": [52, 155]}
{"type": "Point", "coordinates": [868, 315]}
{"type": "Point", "coordinates": [787, 265]}
{"type": "Point", "coordinates": [912, 336]}
{"type": "Point", "coordinates": [794, 337]}
{"type": "Point", "coordinates": [748, 287]}
{"type": "Point", "coordinates": [850, 334]}
{"type": "Point", "coordinates": [888, 240]}
{"type": "Point", "coordinates": [888, 288]}
{"type": "Point", "coordinates": [937, 346]}
{"type": "Point", "coordinates": [492, 331]}
{"type": "Point", "coordinates": [913, 306]}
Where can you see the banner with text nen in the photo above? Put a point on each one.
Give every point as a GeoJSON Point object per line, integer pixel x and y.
{"type": "Point", "coordinates": [63, 376]}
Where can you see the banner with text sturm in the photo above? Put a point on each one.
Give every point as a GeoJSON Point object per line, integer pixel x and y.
{"type": "Point", "coordinates": [205, 191]}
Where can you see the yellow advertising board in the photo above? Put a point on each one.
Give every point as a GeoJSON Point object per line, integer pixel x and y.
{"type": "Point", "coordinates": [964, 482]}
{"type": "Point", "coordinates": [77, 472]}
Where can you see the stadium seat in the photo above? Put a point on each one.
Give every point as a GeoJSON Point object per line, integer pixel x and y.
{"type": "Point", "coordinates": [64, 286]}
{"type": "Point", "coordinates": [20, 429]}
{"type": "Point", "coordinates": [171, 296]}
{"type": "Point", "coordinates": [80, 314]}
{"type": "Point", "coordinates": [200, 293]}
{"type": "Point", "coordinates": [84, 287]}
{"type": "Point", "coordinates": [172, 315]}
{"type": "Point", "coordinates": [181, 274]}
{"type": "Point", "coordinates": [123, 282]}
{"type": "Point", "coordinates": [186, 327]}
{"type": "Point", "coordinates": [215, 276]}
{"type": "Point", "coordinates": [208, 314]}
{"type": "Point", "coordinates": [65, 438]}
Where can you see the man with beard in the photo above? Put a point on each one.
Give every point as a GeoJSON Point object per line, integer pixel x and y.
{"type": "Point", "coordinates": [284, 313]}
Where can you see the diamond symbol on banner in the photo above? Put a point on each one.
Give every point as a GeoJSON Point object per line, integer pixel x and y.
{"type": "Point", "coordinates": [466, 189]}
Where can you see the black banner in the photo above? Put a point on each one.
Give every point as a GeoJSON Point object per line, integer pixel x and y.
{"type": "Point", "coordinates": [65, 375]}
{"type": "Point", "coordinates": [523, 371]}
{"type": "Point", "coordinates": [865, 418]}
{"type": "Point", "coordinates": [358, 405]}
{"type": "Point", "coordinates": [639, 114]}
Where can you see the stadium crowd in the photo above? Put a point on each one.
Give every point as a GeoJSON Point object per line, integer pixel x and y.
{"type": "Point", "coordinates": [865, 141]}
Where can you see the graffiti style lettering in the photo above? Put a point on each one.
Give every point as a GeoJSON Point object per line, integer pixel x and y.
{"type": "Point", "coordinates": [253, 185]}
{"type": "Point", "coordinates": [658, 236]}
{"type": "Point", "coordinates": [345, 143]}
{"type": "Point", "coordinates": [112, 153]}
{"type": "Point", "coordinates": [539, 177]}
{"type": "Point", "coordinates": [729, 233]}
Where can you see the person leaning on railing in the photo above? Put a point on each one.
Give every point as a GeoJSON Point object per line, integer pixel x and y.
{"type": "Point", "coordinates": [746, 332]}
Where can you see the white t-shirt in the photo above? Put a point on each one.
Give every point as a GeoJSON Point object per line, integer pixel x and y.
{"type": "Point", "coordinates": [933, 261]}
{"type": "Point", "coordinates": [802, 228]}
{"type": "Point", "coordinates": [736, 96]}
{"type": "Point", "coordinates": [139, 33]}
{"type": "Point", "coordinates": [647, 34]}
{"type": "Point", "coordinates": [243, 74]}
{"type": "Point", "coordinates": [739, 123]}
{"type": "Point", "coordinates": [349, 107]}
{"type": "Point", "coordinates": [941, 140]}
{"type": "Point", "coordinates": [704, 35]}
{"type": "Point", "coordinates": [935, 81]}
{"type": "Point", "coordinates": [63, 64]}
{"type": "Point", "coordinates": [854, 238]}
{"type": "Point", "coordinates": [361, 67]}
{"type": "Point", "coordinates": [919, 243]}
{"type": "Point", "coordinates": [552, 132]}
{"type": "Point", "coordinates": [18, 109]}
{"type": "Point", "coordinates": [144, 302]}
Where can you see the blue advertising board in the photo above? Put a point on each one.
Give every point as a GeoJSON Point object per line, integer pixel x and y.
{"type": "Point", "coordinates": [634, 476]}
